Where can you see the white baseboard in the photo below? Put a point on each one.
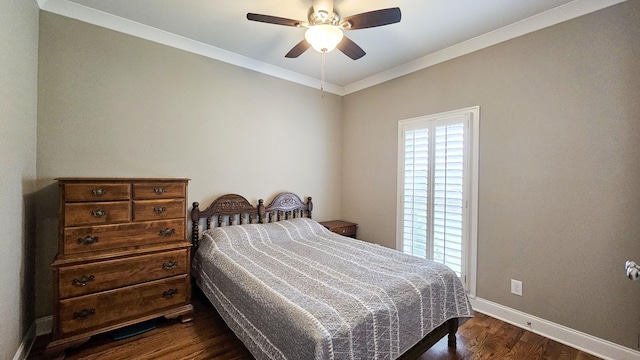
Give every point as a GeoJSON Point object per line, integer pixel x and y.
{"type": "Point", "coordinates": [44, 325]}
{"type": "Point", "coordinates": [562, 334]}
{"type": "Point", "coordinates": [27, 342]}
{"type": "Point", "coordinates": [39, 327]}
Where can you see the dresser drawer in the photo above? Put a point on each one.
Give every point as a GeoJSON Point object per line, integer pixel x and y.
{"type": "Point", "coordinates": [158, 190]}
{"type": "Point", "coordinates": [343, 228]}
{"type": "Point", "coordinates": [158, 209]}
{"type": "Point", "coordinates": [99, 276]}
{"type": "Point", "coordinates": [115, 306]}
{"type": "Point", "coordinates": [96, 192]}
{"type": "Point", "coordinates": [106, 237]}
{"type": "Point", "coordinates": [94, 213]}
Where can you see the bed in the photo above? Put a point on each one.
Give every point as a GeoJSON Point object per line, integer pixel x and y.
{"type": "Point", "coordinates": [291, 289]}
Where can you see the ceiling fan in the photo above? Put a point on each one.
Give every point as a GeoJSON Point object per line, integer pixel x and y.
{"type": "Point", "coordinates": [325, 28]}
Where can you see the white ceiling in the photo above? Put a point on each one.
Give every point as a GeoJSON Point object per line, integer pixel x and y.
{"type": "Point", "coordinates": [431, 31]}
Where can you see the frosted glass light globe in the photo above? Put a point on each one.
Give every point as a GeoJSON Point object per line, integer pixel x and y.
{"type": "Point", "coordinates": [323, 37]}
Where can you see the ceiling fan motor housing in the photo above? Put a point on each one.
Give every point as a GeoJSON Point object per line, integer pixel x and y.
{"type": "Point", "coordinates": [322, 17]}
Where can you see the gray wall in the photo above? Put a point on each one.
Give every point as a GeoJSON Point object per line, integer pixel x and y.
{"type": "Point", "coordinates": [114, 105]}
{"type": "Point", "coordinates": [560, 124]}
{"type": "Point", "coordinates": [18, 114]}
{"type": "Point", "coordinates": [559, 165]}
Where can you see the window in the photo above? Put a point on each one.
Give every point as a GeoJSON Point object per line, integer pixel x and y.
{"type": "Point", "coordinates": [437, 189]}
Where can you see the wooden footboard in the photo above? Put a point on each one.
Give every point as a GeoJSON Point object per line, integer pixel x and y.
{"type": "Point", "coordinates": [449, 328]}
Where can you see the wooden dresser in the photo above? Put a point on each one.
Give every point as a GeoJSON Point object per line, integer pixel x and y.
{"type": "Point", "coordinates": [122, 256]}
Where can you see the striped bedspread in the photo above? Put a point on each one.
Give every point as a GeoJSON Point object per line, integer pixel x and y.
{"type": "Point", "coordinates": [294, 290]}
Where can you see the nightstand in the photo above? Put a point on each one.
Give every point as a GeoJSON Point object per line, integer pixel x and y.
{"type": "Point", "coordinates": [341, 227]}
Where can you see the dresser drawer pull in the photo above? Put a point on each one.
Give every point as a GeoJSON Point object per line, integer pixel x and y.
{"type": "Point", "coordinates": [98, 213]}
{"type": "Point", "coordinates": [159, 191]}
{"type": "Point", "coordinates": [99, 191]}
{"type": "Point", "coordinates": [169, 293]}
{"type": "Point", "coordinates": [159, 209]}
{"type": "Point", "coordinates": [167, 232]}
{"type": "Point", "coordinates": [170, 265]}
{"type": "Point", "coordinates": [88, 240]}
{"type": "Point", "coordinates": [84, 314]}
{"type": "Point", "coordinates": [84, 280]}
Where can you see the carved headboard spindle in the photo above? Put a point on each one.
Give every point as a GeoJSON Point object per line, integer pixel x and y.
{"type": "Point", "coordinates": [261, 211]}
{"type": "Point", "coordinates": [195, 219]}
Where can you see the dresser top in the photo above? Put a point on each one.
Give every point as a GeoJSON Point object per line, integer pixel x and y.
{"type": "Point", "coordinates": [92, 179]}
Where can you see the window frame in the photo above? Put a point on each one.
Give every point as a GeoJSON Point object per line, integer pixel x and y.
{"type": "Point", "coordinates": [472, 140]}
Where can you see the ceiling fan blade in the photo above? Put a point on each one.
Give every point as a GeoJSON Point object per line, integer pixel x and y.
{"type": "Point", "coordinates": [326, 5]}
{"type": "Point", "coordinates": [351, 49]}
{"type": "Point", "coordinates": [373, 18]}
{"type": "Point", "coordinates": [297, 50]}
{"type": "Point", "coordinates": [274, 20]}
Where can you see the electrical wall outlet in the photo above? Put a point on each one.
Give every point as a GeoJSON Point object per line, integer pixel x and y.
{"type": "Point", "coordinates": [516, 287]}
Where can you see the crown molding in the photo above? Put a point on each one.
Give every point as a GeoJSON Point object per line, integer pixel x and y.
{"type": "Point", "coordinates": [109, 21]}
{"type": "Point", "coordinates": [540, 21]}
{"type": "Point", "coordinates": [554, 16]}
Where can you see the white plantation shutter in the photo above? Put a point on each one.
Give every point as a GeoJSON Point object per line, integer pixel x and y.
{"type": "Point", "coordinates": [434, 188]}
{"type": "Point", "coordinates": [448, 195]}
{"type": "Point", "coordinates": [416, 192]}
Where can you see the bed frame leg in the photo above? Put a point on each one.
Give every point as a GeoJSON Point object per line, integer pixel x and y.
{"type": "Point", "coordinates": [453, 328]}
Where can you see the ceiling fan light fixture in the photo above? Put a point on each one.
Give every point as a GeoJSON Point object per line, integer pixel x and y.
{"type": "Point", "coordinates": [323, 37]}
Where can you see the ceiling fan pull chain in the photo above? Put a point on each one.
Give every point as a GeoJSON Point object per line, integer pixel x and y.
{"type": "Point", "coordinates": [322, 82]}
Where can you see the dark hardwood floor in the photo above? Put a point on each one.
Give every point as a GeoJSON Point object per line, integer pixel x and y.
{"type": "Point", "coordinates": [207, 337]}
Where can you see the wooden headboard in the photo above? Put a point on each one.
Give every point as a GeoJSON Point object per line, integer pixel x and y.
{"type": "Point", "coordinates": [287, 205]}
{"type": "Point", "coordinates": [232, 209]}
